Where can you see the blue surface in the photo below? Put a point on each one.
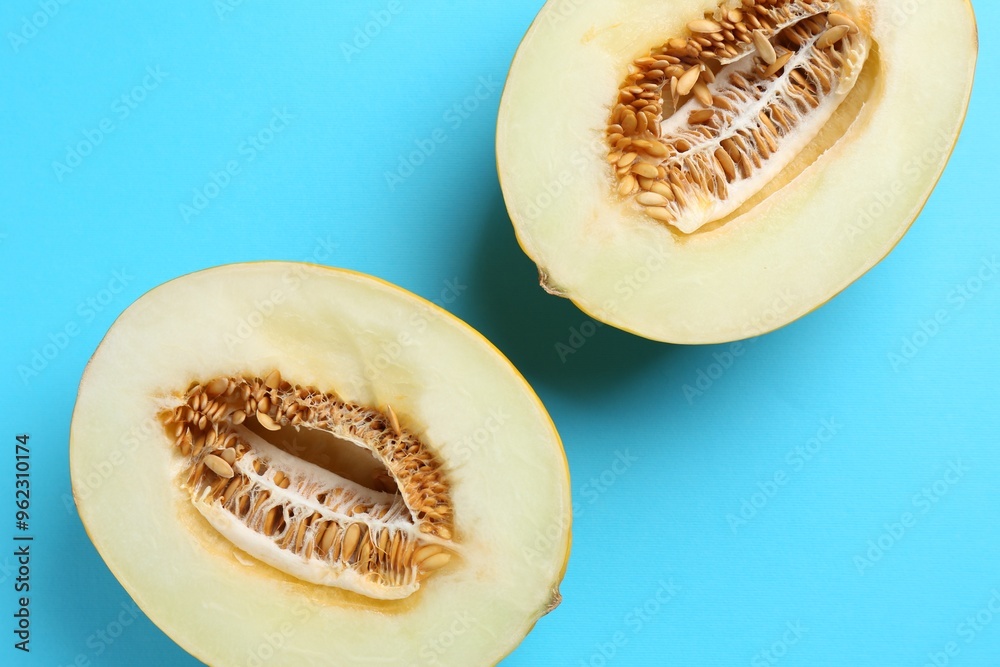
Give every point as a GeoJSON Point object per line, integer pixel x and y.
{"type": "Point", "coordinates": [736, 526]}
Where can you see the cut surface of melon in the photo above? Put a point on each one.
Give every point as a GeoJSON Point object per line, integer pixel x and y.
{"type": "Point", "coordinates": [307, 466]}
{"type": "Point", "coordinates": [700, 172]}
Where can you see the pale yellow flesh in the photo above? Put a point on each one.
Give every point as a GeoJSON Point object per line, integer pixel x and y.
{"type": "Point", "coordinates": [374, 344]}
{"type": "Point", "coordinates": [764, 268]}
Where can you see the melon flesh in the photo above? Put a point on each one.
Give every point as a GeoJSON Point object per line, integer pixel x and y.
{"type": "Point", "coordinates": [820, 224]}
{"type": "Point", "coordinates": [373, 344]}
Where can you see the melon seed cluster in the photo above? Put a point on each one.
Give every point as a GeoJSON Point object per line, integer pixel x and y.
{"type": "Point", "coordinates": [316, 525]}
{"type": "Point", "coordinates": [705, 121]}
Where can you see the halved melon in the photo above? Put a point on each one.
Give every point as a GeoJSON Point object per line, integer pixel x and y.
{"type": "Point", "coordinates": [697, 172]}
{"type": "Point", "coordinates": [296, 465]}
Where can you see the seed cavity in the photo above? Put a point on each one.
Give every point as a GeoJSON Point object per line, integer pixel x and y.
{"type": "Point", "coordinates": [380, 539]}
{"type": "Point", "coordinates": [714, 116]}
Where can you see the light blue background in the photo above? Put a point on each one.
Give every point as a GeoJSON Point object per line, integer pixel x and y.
{"type": "Point", "coordinates": [653, 532]}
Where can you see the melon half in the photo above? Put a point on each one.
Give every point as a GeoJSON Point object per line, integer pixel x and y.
{"type": "Point", "coordinates": [287, 464]}
{"type": "Point", "coordinates": [697, 172]}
